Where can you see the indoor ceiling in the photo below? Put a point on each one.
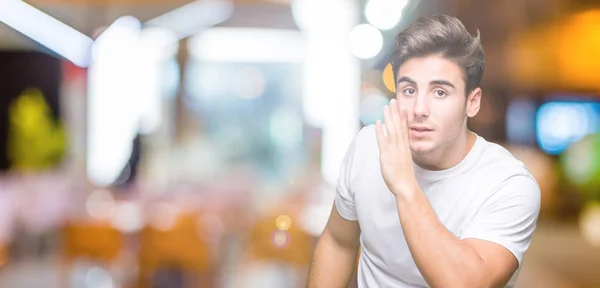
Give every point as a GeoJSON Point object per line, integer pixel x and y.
{"type": "Point", "coordinates": [87, 16]}
{"type": "Point", "coordinates": [497, 21]}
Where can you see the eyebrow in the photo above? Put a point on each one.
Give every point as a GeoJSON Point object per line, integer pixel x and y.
{"type": "Point", "coordinates": [406, 79]}
{"type": "Point", "coordinates": [433, 82]}
{"type": "Point", "coordinates": [441, 83]}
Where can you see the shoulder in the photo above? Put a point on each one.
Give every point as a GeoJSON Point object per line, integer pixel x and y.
{"type": "Point", "coordinates": [364, 152]}
{"type": "Point", "coordinates": [367, 135]}
{"type": "Point", "coordinates": [365, 142]}
{"type": "Point", "coordinates": [497, 160]}
{"type": "Point", "coordinates": [508, 175]}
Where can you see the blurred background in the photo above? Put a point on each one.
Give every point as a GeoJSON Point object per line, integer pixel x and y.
{"type": "Point", "coordinates": [189, 143]}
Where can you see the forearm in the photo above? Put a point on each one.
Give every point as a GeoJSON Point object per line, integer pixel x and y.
{"type": "Point", "coordinates": [332, 264]}
{"type": "Point", "coordinates": [442, 258]}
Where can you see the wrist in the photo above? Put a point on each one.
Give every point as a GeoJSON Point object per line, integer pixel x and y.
{"type": "Point", "coordinates": [406, 191]}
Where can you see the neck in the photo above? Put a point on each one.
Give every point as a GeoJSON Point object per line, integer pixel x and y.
{"type": "Point", "coordinates": [449, 155]}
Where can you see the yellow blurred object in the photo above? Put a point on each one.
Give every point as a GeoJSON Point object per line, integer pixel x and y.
{"type": "Point", "coordinates": [3, 257]}
{"type": "Point", "coordinates": [560, 55]}
{"type": "Point", "coordinates": [578, 50]}
{"type": "Point", "coordinates": [97, 241]}
{"type": "Point", "coordinates": [589, 223]}
{"type": "Point", "coordinates": [283, 222]}
{"type": "Point", "coordinates": [527, 59]}
{"type": "Point", "coordinates": [268, 242]}
{"type": "Point", "coordinates": [181, 246]}
{"type": "Point", "coordinates": [35, 140]}
{"type": "Point", "coordinates": [388, 78]}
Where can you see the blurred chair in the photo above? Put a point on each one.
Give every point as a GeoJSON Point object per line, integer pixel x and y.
{"type": "Point", "coordinates": [279, 249]}
{"type": "Point", "coordinates": [180, 251]}
{"type": "Point", "coordinates": [96, 242]}
{"type": "Point", "coordinates": [293, 246]}
{"type": "Point", "coordinates": [3, 255]}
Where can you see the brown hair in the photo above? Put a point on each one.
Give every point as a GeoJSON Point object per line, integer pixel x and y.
{"type": "Point", "coordinates": [446, 36]}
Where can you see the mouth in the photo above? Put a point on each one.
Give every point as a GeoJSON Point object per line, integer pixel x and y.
{"type": "Point", "coordinates": [420, 131]}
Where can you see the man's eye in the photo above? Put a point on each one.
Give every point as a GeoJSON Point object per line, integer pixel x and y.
{"type": "Point", "coordinates": [409, 91]}
{"type": "Point", "coordinates": [440, 93]}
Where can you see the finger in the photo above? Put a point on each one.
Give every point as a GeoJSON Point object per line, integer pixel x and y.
{"type": "Point", "coordinates": [381, 139]}
{"type": "Point", "coordinates": [394, 107]}
{"type": "Point", "coordinates": [403, 123]}
{"type": "Point", "coordinates": [389, 124]}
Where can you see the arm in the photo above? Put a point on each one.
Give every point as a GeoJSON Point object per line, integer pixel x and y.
{"type": "Point", "coordinates": [442, 258]}
{"type": "Point", "coordinates": [334, 258]}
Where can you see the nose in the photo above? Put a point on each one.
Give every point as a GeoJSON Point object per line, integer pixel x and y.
{"type": "Point", "coordinates": [421, 107]}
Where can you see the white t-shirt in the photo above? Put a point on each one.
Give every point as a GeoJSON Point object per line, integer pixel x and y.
{"type": "Point", "coordinates": [489, 195]}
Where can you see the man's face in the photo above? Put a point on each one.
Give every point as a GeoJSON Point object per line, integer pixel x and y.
{"type": "Point", "coordinates": [432, 89]}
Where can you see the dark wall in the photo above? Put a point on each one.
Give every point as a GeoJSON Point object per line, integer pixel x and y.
{"type": "Point", "coordinates": [20, 70]}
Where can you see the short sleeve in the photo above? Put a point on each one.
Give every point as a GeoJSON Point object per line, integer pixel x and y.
{"type": "Point", "coordinates": [509, 216]}
{"type": "Point", "coordinates": [344, 198]}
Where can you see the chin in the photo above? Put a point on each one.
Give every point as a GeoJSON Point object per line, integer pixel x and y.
{"type": "Point", "coordinates": [422, 147]}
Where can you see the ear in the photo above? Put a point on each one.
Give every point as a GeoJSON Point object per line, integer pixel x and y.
{"type": "Point", "coordinates": [473, 102]}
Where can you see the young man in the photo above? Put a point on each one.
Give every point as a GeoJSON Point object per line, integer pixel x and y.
{"type": "Point", "coordinates": [429, 203]}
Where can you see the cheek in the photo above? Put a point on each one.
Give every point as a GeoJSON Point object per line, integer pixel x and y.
{"type": "Point", "coordinates": [449, 115]}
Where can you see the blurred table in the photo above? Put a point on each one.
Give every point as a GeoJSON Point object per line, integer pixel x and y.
{"type": "Point", "coordinates": [559, 257]}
